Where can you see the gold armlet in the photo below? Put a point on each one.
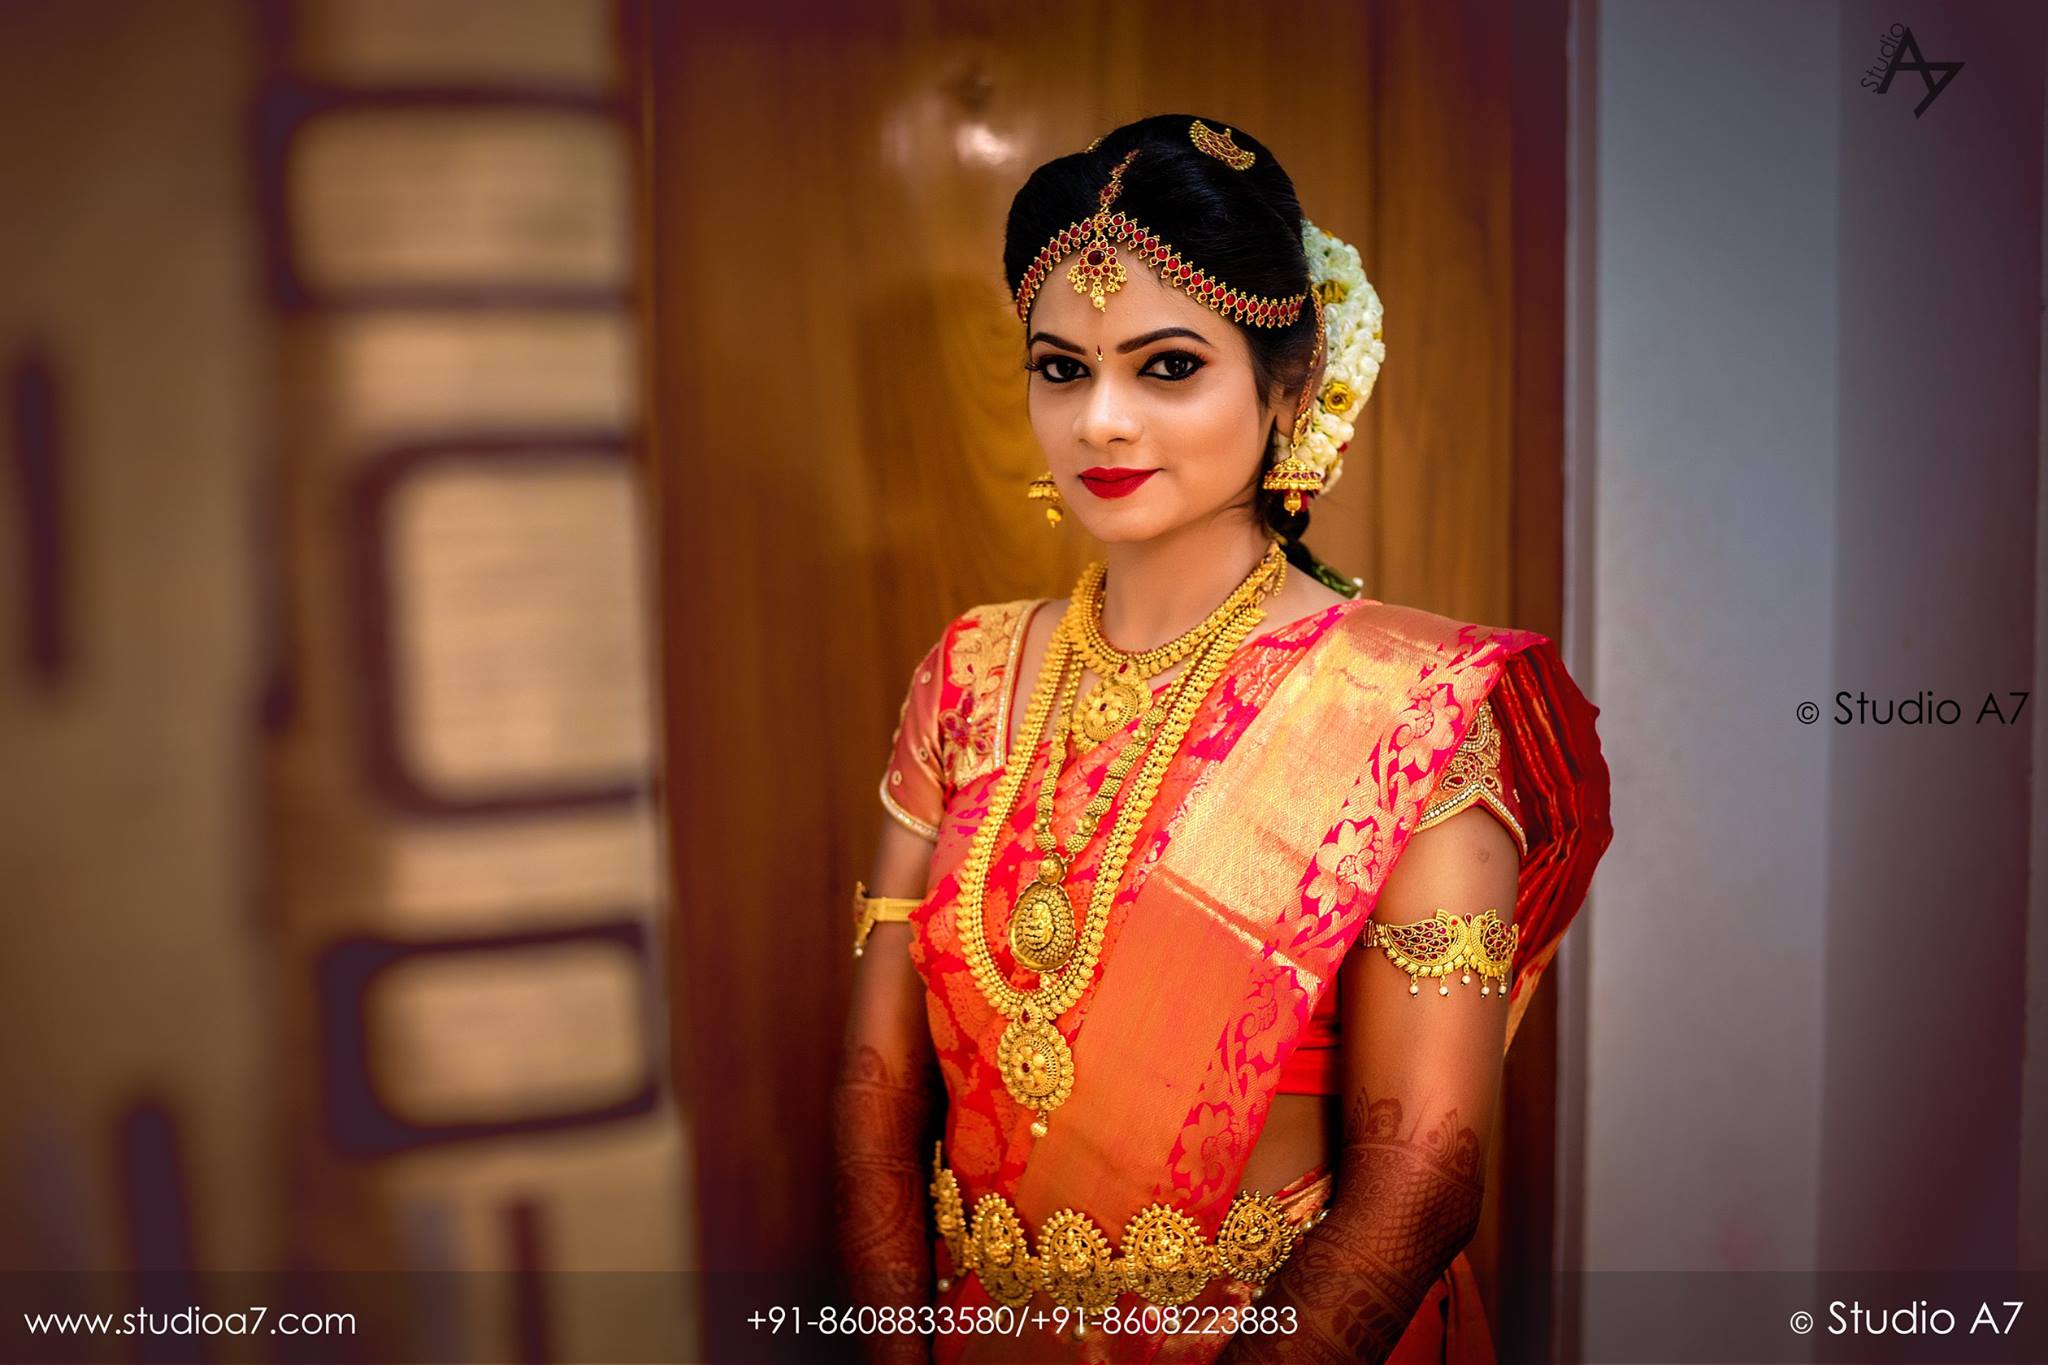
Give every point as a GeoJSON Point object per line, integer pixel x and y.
{"type": "Point", "coordinates": [868, 911]}
{"type": "Point", "coordinates": [1483, 943]}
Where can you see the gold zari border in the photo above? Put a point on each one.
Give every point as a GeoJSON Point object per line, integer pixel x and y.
{"type": "Point", "coordinates": [1164, 1259]}
{"type": "Point", "coordinates": [909, 821]}
{"type": "Point", "coordinates": [1473, 774]}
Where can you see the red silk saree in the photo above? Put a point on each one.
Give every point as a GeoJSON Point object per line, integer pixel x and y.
{"type": "Point", "coordinates": [1291, 799]}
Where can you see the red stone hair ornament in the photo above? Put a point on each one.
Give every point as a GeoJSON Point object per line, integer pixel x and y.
{"type": "Point", "coordinates": [1223, 146]}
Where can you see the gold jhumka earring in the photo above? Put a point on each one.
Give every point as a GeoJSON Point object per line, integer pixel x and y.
{"type": "Point", "coordinates": [1295, 475]}
{"type": "Point", "coordinates": [1043, 489]}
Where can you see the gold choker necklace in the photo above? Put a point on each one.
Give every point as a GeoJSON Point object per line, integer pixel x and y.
{"type": "Point", "coordinates": [1119, 693]}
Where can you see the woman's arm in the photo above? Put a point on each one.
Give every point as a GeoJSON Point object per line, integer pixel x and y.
{"type": "Point", "coordinates": [880, 1105]}
{"type": "Point", "coordinates": [1421, 1073]}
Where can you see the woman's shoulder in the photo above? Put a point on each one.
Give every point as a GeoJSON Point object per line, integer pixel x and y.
{"type": "Point", "coordinates": [977, 652]}
{"type": "Point", "coordinates": [964, 685]}
{"type": "Point", "coordinates": [987, 633]}
{"type": "Point", "coordinates": [997, 617]}
{"type": "Point", "coordinates": [1430, 637]}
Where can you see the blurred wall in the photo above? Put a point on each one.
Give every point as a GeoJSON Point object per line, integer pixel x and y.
{"type": "Point", "coordinates": [1812, 452]}
{"type": "Point", "coordinates": [1936, 521]}
{"type": "Point", "coordinates": [132, 338]}
{"type": "Point", "coordinates": [336, 888]}
{"type": "Point", "coordinates": [463, 747]}
{"type": "Point", "coordinates": [2034, 1073]}
{"type": "Point", "coordinates": [1714, 462]}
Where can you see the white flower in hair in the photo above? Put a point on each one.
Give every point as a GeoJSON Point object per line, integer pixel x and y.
{"type": "Point", "coordinates": [1352, 319]}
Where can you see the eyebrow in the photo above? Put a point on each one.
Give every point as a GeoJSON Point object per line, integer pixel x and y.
{"type": "Point", "coordinates": [1123, 348]}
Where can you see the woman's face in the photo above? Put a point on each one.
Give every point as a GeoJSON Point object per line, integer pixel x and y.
{"type": "Point", "coordinates": [1154, 384]}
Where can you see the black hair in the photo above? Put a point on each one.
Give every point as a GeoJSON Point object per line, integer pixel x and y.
{"type": "Point", "coordinates": [1242, 227]}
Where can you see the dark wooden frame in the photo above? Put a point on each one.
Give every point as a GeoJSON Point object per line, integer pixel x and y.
{"type": "Point", "coordinates": [284, 109]}
{"type": "Point", "coordinates": [356, 1118]}
{"type": "Point", "coordinates": [366, 504]}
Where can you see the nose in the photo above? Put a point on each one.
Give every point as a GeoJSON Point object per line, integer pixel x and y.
{"type": "Point", "coordinates": [1107, 417]}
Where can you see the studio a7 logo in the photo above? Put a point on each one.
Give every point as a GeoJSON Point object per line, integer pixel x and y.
{"type": "Point", "coordinates": [1898, 51]}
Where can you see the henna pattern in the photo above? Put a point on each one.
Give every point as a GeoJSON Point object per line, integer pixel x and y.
{"type": "Point", "coordinates": [1407, 1201]}
{"type": "Point", "coordinates": [878, 1120]}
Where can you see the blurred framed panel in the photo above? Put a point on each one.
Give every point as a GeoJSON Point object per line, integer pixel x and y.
{"type": "Point", "coordinates": [429, 1042]}
{"type": "Point", "coordinates": [500, 620]}
{"type": "Point", "coordinates": [391, 376]}
{"type": "Point", "coordinates": [567, 42]}
{"type": "Point", "coordinates": [444, 197]}
{"type": "Point", "coordinates": [514, 871]}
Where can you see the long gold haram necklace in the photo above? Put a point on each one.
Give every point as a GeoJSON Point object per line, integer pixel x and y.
{"type": "Point", "coordinates": [1032, 1056]}
{"type": "Point", "coordinates": [1042, 921]}
{"type": "Point", "coordinates": [1042, 935]}
{"type": "Point", "coordinates": [1109, 705]}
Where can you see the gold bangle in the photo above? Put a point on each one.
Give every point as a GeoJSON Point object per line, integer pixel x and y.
{"type": "Point", "coordinates": [1483, 943]}
{"type": "Point", "coordinates": [868, 911]}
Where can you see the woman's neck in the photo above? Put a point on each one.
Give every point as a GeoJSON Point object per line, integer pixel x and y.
{"type": "Point", "coordinates": [1161, 587]}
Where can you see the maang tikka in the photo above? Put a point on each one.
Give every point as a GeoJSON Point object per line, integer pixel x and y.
{"type": "Point", "coordinates": [1098, 272]}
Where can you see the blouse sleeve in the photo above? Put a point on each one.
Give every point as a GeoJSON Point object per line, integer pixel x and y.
{"type": "Point", "coordinates": [1479, 771]}
{"type": "Point", "coordinates": [913, 788]}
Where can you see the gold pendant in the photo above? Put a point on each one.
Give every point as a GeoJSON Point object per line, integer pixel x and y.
{"type": "Point", "coordinates": [1075, 1265]}
{"type": "Point", "coordinates": [1042, 927]}
{"type": "Point", "coordinates": [1109, 706]}
{"type": "Point", "coordinates": [1036, 1065]}
{"type": "Point", "coordinates": [1255, 1237]}
{"type": "Point", "coordinates": [1167, 1259]}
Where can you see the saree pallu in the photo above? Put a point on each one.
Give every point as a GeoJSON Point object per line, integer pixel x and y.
{"type": "Point", "coordinates": [1298, 786]}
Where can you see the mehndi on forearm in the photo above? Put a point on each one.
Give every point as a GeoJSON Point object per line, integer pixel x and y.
{"type": "Point", "coordinates": [1408, 1197]}
{"type": "Point", "coordinates": [879, 1112]}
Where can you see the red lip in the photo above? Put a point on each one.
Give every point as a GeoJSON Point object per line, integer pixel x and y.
{"type": "Point", "coordinates": [1115, 483]}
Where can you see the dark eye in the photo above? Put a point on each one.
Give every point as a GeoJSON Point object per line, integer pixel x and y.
{"type": "Point", "coordinates": [1056, 369]}
{"type": "Point", "coordinates": [1173, 365]}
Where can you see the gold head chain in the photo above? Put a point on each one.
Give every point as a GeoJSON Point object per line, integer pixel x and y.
{"type": "Point", "coordinates": [1099, 273]}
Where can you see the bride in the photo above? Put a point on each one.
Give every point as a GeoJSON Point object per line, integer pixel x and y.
{"type": "Point", "coordinates": [1213, 891]}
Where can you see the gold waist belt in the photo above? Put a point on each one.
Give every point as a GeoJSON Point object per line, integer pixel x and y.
{"type": "Point", "coordinates": [1163, 1258]}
